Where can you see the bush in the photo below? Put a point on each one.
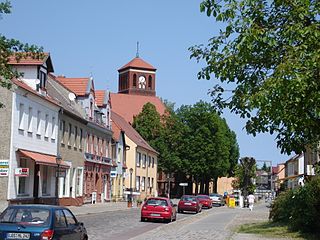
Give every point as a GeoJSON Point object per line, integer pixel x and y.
{"type": "Point", "coordinates": [300, 209]}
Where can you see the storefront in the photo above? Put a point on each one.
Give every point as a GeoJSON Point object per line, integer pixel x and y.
{"type": "Point", "coordinates": [35, 177]}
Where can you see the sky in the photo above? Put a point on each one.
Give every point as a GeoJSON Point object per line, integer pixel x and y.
{"type": "Point", "coordinates": [96, 38]}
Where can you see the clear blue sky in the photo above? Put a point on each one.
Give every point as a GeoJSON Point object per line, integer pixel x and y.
{"type": "Point", "coordinates": [99, 37]}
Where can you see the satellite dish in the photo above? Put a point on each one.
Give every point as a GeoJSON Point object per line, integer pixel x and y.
{"type": "Point", "coordinates": [72, 96]}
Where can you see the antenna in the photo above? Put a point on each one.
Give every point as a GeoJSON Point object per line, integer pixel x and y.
{"type": "Point", "coordinates": [137, 55]}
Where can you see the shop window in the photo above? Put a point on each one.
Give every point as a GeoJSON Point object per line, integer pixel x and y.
{"type": "Point", "coordinates": [45, 180]}
{"type": "Point", "coordinates": [22, 188]}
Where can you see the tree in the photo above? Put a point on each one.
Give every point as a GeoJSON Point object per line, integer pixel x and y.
{"type": "Point", "coordinates": [207, 147]}
{"type": "Point", "coordinates": [269, 55]}
{"type": "Point", "coordinates": [244, 173]}
{"type": "Point", "coordinates": [162, 133]}
{"type": "Point", "coordinates": [10, 47]}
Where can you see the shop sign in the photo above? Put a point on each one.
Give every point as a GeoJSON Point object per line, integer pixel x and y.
{"type": "Point", "coordinates": [113, 174]}
{"type": "Point", "coordinates": [21, 172]}
{"type": "Point", "coordinates": [4, 168]}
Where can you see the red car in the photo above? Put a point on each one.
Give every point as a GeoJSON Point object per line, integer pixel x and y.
{"type": "Point", "coordinates": [158, 208]}
{"type": "Point", "coordinates": [205, 201]}
{"type": "Point", "coordinates": [189, 203]}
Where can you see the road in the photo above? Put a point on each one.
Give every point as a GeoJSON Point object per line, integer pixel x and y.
{"type": "Point", "coordinates": [215, 223]}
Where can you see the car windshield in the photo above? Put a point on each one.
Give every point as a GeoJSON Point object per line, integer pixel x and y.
{"type": "Point", "coordinates": [156, 202]}
{"type": "Point", "coordinates": [203, 197]}
{"type": "Point", "coordinates": [30, 216]}
{"type": "Point", "coordinates": [188, 198]}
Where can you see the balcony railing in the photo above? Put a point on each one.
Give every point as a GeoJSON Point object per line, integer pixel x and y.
{"type": "Point", "coordinates": [96, 158]}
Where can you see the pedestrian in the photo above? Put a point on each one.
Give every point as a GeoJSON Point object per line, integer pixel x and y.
{"type": "Point", "coordinates": [251, 199]}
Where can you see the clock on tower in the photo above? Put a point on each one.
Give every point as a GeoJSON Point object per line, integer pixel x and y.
{"type": "Point", "coordinates": [137, 78]}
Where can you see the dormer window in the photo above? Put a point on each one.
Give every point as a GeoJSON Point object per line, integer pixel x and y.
{"type": "Point", "coordinates": [43, 79]}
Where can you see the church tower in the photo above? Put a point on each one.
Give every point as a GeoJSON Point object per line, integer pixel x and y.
{"type": "Point", "coordinates": [137, 77]}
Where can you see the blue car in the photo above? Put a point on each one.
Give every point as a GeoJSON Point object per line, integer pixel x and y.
{"type": "Point", "coordinates": [40, 222]}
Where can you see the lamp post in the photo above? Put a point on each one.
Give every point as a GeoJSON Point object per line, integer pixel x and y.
{"type": "Point", "coordinates": [130, 197]}
{"type": "Point", "coordinates": [58, 161]}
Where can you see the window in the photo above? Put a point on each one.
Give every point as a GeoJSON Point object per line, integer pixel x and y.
{"type": "Point", "coordinates": [62, 130]}
{"type": "Point", "coordinates": [150, 82]}
{"type": "Point", "coordinates": [138, 183]}
{"type": "Point", "coordinates": [151, 183]}
{"type": "Point", "coordinates": [22, 180]}
{"type": "Point", "coordinates": [45, 180]}
{"type": "Point", "coordinates": [30, 120]}
{"type": "Point", "coordinates": [79, 181]}
{"type": "Point", "coordinates": [138, 160]}
{"type": "Point", "coordinates": [21, 116]}
{"type": "Point", "coordinates": [39, 123]}
{"type": "Point", "coordinates": [152, 161]}
{"type": "Point", "coordinates": [75, 136]}
{"type": "Point", "coordinates": [46, 126]}
{"type": "Point", "coordinates": [53, 129]}
{"type": "Point", "coordinates": [81, 136]}
{"type": "Point", "coordinates": [43, 79]}
{"type": "Point", "coordinates": [144, 160]}
{"type": "Point", "coordinates": [59, 219]}
{"type": "Point", "coordinates": [69, 135]}
{"type": "Point", "coordinates": [70, 218]}
{"type": "Point", "coordinates": [143, 182]}
{"type": "Point", "coordinates": [149, 161]}
{"type": "Point", "coordinates": [134, 83]}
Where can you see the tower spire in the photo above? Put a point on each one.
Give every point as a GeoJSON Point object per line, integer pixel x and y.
{"type": "Point", "coordinates": [137, 54]}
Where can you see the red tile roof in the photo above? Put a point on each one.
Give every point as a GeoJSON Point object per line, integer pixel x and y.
{"type": "Point", "coordinates": [42, 158]}
{"type": "Point", "coordinates": [29, 60]}
{"type": "Point", "coordinates": [116, 131]}
{"type": "Point", "coordinates": [128, 106]}
{"type": "Point", "coordinates": [130, 132]}
{"type": "Point", "coordinates": [77, 85]}
{"type": "Point", "coordinates": [138, 63]}
{"type": "Point", "coordinates": [100, 96]}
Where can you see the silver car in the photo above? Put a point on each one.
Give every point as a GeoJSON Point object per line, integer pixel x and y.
{"type": "Point", "coordinates": [217, 199]}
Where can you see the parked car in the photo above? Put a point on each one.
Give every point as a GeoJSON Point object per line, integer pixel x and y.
{"type": "Point", "coordinates": [158, 208]}
{"type": "Point", "coordinates": [217, 199]}
{"type": "Point", "coordinates": [205, 201]}
{"type": "Point", "coordinates": [189, 203]}
{"type": "Point", "coordinates": [40, 222]}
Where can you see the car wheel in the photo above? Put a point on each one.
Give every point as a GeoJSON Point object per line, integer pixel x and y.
{"type": "Point", "coordinates": [143, 219]}
{"type": "Point", "coordinates": [180, 211]}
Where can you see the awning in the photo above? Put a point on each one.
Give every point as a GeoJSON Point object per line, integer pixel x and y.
{"type": "Point", "coordinates": [42, 159]}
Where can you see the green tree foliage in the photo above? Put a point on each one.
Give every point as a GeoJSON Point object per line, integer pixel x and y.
{"type": "Point", "coordinates": [9, 47]}
{"type": "Point", "coordinates": [208, 148]}
{"type": "Point", "coordinates": [299, 208]}
{"type": "Point", "coordinates": [162, 133]}
{"type": "Point", "coordinates": [268, 55]}
{"type": "Point", "coordinates": [244, 173]}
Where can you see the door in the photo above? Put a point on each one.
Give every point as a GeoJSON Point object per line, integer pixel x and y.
{"type": "Point", "coordinates": [74, 228]}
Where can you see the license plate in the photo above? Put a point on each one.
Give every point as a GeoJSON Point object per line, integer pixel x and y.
{"type": "Point", "coordinates": [155, 214]}
{"type": "Point", "coordinates": [187, 203]}
{"type": "Point", "coordinates": [18, 235]}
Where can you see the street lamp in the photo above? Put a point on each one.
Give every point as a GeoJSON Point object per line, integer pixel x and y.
{"type": "Point", "coordinates": [58, 161]}
{"type": "Point", "coordinates": [130, 197]}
